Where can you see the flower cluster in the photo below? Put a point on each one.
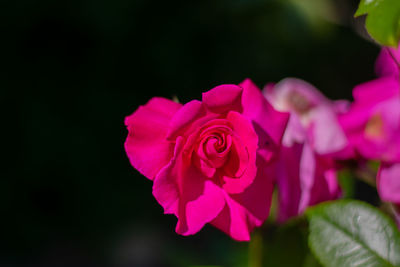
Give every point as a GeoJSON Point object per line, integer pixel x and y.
{"type": "Point", "coordinates": [218, 160]}
{"type": "Point", "coordinates": [372, 125]}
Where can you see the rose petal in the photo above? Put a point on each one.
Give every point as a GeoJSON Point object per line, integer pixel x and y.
{"type": "Point", "coordinates": [288, 182]}
{"type": "Point", "coordinates": [146, 144]}
{"type": "Point", "coordinates": [223, 98]}
{"type": "Point", "coordinates": [304, 179]}
{"type": "Point", "coordinates": [376, 90]}
{"type": "Point", "coordinates": [184, 117]}
{"type": "Point", "coordinates": [200, 202]}
{"type": "Point", "coordinates": [240, 169]}
{"type": "Point", "coordinates": [388, 182]}
{"type": "Point", "coordinates": [307, 175]}
{"type": "Point", "coordinates": [295, 132]}
{"type": "Point", "coordinates": [249, 209]}
{"type": "Point", "coordinates": [165, 189]}
{"type": "Point", "coordinates": [387, 63]}
{"type": "Point", "coordinates": [318, 179]}
{"type": "Point", "coordinates": [184, 191]}
{"type": "Point", "coordinates": [268, 123]}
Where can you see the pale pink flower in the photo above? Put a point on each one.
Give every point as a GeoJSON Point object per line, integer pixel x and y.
{"type": "Point", "coordinates": [306, 170]}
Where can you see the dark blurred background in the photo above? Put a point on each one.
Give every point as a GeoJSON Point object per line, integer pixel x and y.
{"type": "Point", "coordinates": [72, 70]}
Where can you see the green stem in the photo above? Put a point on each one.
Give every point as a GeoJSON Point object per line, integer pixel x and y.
{"type": "Point", "coordinates": [255, 249]}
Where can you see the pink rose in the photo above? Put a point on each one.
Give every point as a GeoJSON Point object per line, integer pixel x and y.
{"type": "Point", "coordinates": [372, 124]}
{"type": "Point", "coordinates": [210, 160]}
{"type": "Point", "coordinates": [306, 173]}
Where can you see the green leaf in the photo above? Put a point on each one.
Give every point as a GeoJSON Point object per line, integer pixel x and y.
{"type": "Point", "coordinates": [383, 20]}
{"type": "Point", "coordinates": [353, 233]}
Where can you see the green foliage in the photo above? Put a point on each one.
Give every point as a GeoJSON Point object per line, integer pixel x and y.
{"type": "Point", "coordinates": [353, 233]}
{"type": "Point", "coordinates": [383, 20]}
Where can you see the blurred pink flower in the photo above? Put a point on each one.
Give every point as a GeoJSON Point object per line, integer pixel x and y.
{"type": "Point", "coordinates": [383, 126]}
{"type": "Point", "coordinates": [306, 170]}
{"type": "Point", "coordinates": [210, 161]}
{"type": "Point", "coordinates": [372, 124]}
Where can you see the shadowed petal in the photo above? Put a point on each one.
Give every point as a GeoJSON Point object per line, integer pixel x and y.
{"type": "Point", "coordinates": [268, 123]}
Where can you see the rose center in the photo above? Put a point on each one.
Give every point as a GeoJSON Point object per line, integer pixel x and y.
{"type": "Point", "coordinates": [216, 148]}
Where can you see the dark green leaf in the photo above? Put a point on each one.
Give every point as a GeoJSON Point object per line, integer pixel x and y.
{"type": "Point", "coordinates": [383, 20]}
{"type": "Point", "coordinates": [353, 233]}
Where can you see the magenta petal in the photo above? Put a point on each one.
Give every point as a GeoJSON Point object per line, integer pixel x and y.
{"type": "Point", "coordinates": [183, 190]}
{"type": "Point", "coordinates": [387, 63]}
{"type": "Point", "coordinates": [223, 98]}
{"type": "Point", "coordinates": [182, 119]}
{"type": "Point", "coordinates": [146, 144]}
{"type": "Point", "coordinates": [162, 107]}
{"type": "Point", "coordinates": [288, 182]}
{"type": "Point", "coordinates": [376, 90]}
{"type": "Point", "coordinates": [200, 202]}
{"type": "Point", "coordinates": [268, 123]}
{"type": "Point", "coordinates": [249, 209]}
{"type": "Point", "coordinates": [388, 182]}
{"type": "Point", "coordinates": [165, 188]}
{"type": "Point", "coordinates": [241, 166]}
{"type": "Point", "coordinates": [233, 220]}
{"type": "Point", "coordinates": [318, 179]}
{"type": "Point", "coordinates": [304, 179]}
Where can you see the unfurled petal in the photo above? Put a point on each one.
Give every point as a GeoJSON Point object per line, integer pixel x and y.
{"type": "Point", "coordinates": [184, 117]}
{"type": "Point", "coordinates": [165, 187]}
{"type": "Point", "coordinates": [375, 91]}
{"type": "Point", "coordinates": [223, 98]}
{"type": "Point", "coordinates": [146, 145]}
{"type": "Point", "coordinates": [249, 209]}
{"type": "Point", "coordinates": [304, 179]}
{"type": "Point", "coordinates": [201, 200]}
{"type": "Point", "coordinates": [269, 123]}
{"type": "Point", "coordinates": [387, 63]}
